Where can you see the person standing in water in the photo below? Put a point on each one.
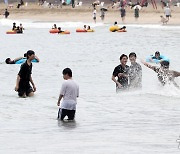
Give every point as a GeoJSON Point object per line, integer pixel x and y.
{"type": "Point", "coordinates": [123, 13]}
{"type": "Point", "coordinates": [94, 15]}
{"type": "Point", "coordinates": [136, 13]}
{"type": "Point", "coordinates": [69, 92]}
{"type": "Point", "coordinates": [6, 13]}
{"type": "Point", "coordinates": [165, 75]}
{"type": "Point", "coordinates": [24, 77]}
{"type": "Point", "coordinates": [134, 73]}
{"type": "Point", "coordinates": [121, 72]}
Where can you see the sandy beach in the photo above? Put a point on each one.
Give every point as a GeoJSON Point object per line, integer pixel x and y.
{"type": "Point", "coordinates": [84, 14]}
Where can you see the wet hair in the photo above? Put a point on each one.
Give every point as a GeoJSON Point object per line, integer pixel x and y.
{"type": "Point", "coordinates": [67, 71]}
{"type": "Point", "coordinates": [132, 54]}
{"type": "Point", "coordinates": [157, 53]}
{"type": "Point", "coordinates": [123, 55]}
{"type": "Point", "coordinates": [29, 53]}
{"type": "Point", "coordinates": [165, 64]}
{"type": "Point", "coordinates": [124, 27]}
{"type": "Point", "coordinates": [115, 22]}
{"type": "Point", "coordinates": [7, 60]}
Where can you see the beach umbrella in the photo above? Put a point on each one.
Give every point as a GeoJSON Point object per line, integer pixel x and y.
{"type": "Point", "coordinates": [137, 6]}
{"type": "Point", "coordinates": [103, 9]}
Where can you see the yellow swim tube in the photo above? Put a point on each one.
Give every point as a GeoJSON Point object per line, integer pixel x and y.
{"type": "Point", "coordinates": [114, 28]}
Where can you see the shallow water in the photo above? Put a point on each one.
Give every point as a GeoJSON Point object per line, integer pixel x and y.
{"type": "Point", "coordinates": [136, 122]}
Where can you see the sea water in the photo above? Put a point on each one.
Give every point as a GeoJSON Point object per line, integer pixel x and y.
{"type": "Point", "coordinates": [135, 122]}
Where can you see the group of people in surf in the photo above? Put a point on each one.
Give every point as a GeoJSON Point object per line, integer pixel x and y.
{"type": "Point", "coordinates": [58, 28]}
{"type": "Point", "coordinates": [130, 77]}
{"type": "Point", "coordinates": [87, 27]}
{"type": "Point", "coordinates": [17, 29]}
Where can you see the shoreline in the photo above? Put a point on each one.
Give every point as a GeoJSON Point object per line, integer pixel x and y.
{"type": "Point", "coordinates": [84, 14]}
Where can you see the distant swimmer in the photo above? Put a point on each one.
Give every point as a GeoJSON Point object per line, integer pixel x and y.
{"type": "Point", "coordinates": [84, 27]}
{"type": "Point", "coordinates": [157, 58]}
{"type": "Point", "coordinates": [14, 26]}
{"type": "Point", "coordinates": [54, 26]}
{"type": "Point", "coordinates": [10, 61]}
{"type": "Point", "coordinates": [20, 60]}
{"type": "Point", "coordinates": [69, 92]}
{"type": "Point", "coordinates": [88, 28]}
{"type": "Point", "coordinates": [134, 72]}
{"type": "Point", "coordinates": [21, 28]}
{"type": "Point", "coordinates": [60, 31]}
{"type": "Point", "coordinates": [121, 72]}
{"type": "Point", "coordinates": [164, 74]}
{"type": "Point", "coordinates": [24, 77]}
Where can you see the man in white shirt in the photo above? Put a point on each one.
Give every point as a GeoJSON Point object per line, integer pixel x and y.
{"type": "Point", "coordinates": [69, 92]}
{"type": "Point", "coordinates": [167, 12]}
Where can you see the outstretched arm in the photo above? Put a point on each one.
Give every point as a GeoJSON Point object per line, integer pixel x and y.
{"type": "Point", "coordinates": [37, 59]}
{"type": "Point", "coordinates": [147, 64]}
{"type": "Point", "coordinates": [16, 59]}
{"type": "Point", "coordinates": [114, 79]}
{"type": "Point", "coordinates": [176, 74]}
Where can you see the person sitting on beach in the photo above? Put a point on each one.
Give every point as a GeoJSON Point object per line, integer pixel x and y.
{"type": "Point", "coordinates": [14, 26]}
{"type": "Point", "coordinates": [165, 75]}
{"type": "Point", "coordinates": [164, 20]}
{"type": "Point", "coordinates": [20, 4]}
{"type": "Point", "coordinates": [60, 31]}
{"type": "Point", "coordinates": [54, 26]}
{"type": "Point", "coordinates": [9, 61]}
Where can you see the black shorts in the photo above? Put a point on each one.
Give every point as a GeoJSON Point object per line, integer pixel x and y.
{"type": "Point", "coordinates": [24, 88]}
{"type": "Point", "coordinates": [168, 16]}
{"type": "Point", "coordinates": [94, 18]}
{"type": "Point", "coordinates": [64, 112]}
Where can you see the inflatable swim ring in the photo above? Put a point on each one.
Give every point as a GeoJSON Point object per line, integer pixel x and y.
{"type": "Point", "coordinates": [90, 30]}
{"type": "Point", "coordinates": [53, 31]}
{"type": "Point", "coordinates": [123, 30]}
{"type": "Point", "coordinates": [11, 32]}
{"type": "Point", "coordinates": [162, 58]}
{"type": "Point", "coordinates": [81, 30]}
{"type": "Point", "coordinates": [20, 61]}
{"type": "Point", "coordinates": [65, 32]}
{"type": "Point", "coordinates": [114, 28]}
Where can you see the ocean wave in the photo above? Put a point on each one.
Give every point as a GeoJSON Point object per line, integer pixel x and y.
{"type": "Point", "coordinates": [47, 24]}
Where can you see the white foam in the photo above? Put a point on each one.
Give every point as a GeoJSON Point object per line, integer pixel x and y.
{"type": "Point", "coordinates": [41, 24]}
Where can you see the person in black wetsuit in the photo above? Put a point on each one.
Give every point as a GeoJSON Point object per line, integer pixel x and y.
{"type": "Point", "coordinates": [121, 72]}
{"type": "Point", "coordinates": [24, 78]}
